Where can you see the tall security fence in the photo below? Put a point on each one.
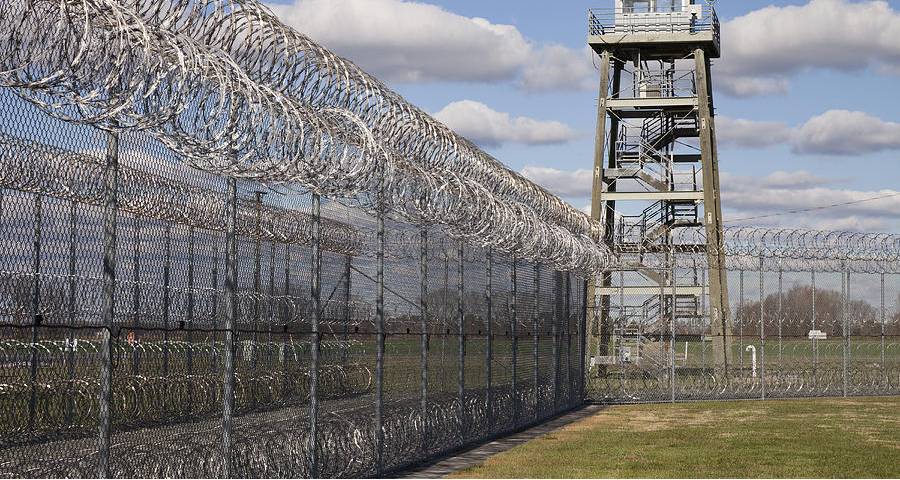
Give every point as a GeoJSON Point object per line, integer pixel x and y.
{"type": "Point", "coordinates": [231, 253]}
{"type": "Point", "coordinates": [811, 314]}
{"type": "Point", "coordinates": [253, 330]}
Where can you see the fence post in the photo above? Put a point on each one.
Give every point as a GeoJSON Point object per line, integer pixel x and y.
{"type": "Point", "coordinates": [535, 323]}
{"type": "Point", "coordinates": [489, 347]}
{"type": "Point", "coordinates": [554, 332]}
{"type": "Point", "coordinates": [672, 314]}
{"type": "Point", "coordinates": [815, 344]}
{"type": "Point", "coordinates": [35, 309]}
{"type": "Point", "coordinates": [136, 291]}
{"type": "Point", "coordinates": [190, 317]}
{"type": "Point", "coordinates": [845, 330]}
{"type": "Point", "coordinates": [167, 301]}
{"type": "Point", "coordinates": [513, 326]}
{"type": "Point", "coordinates": [257, 291]}
{"type": "Point", "coordinates": [762, 331]}
{"type": "Point", "coordinates": [423, 316]}
{"type": "Point", "coordinates": [379, 351]}
{"type": "Point", "coordinates": [883, 370]}
{"type": "Point", "coordinates": [70, 354]}
{"type": "Point", "coordinates": [461, 364]}
{"type": "Point", "coordinates": [741, 314]}
{"type": "Point", "coordinates": [568, 316]}
{"type": "Point", "coordinates": [230, 318]}
{"type": "Point", "coordinates": [110, 214]}
{"type": "Point", "coordinates": [582, 342]}
{"type": "Point", "coordinates": [316, 285]}
{"type": "Point", "coordinates": [780, 312]}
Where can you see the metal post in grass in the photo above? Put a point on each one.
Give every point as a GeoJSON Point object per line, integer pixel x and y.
{"type": "Point", "coordinates": [845, 329]}
{"type": "Point", "coordinates": [70, 351]}
{"type": "Point", "coordinates": [762, 332]}
{"type": "Point", "coordinates": [460, 317]}
{"type": "Point", "coordinates": [36, 316]}
{"type": "Point", "coordinates": [883, 370]}
{"type": "Point", "coordinates": [167, 301]}
{"type": "Point", "coordinates": [554, 335]}
{"type": "Point", "coordinates": [136, 292]}
{"type": "Point", "coordinates": [110, 214]}
{"type": "Point", "coordinates": [780, 312]}
{"type": "Point", "coordinates": [535, 324]}
{"type": "Point", "coordinates": [672, 313]}
{"type": "Point", "coordinates": [489, 344]}
{"type": "Point", "coordinates": [568, 333]}
{"type": "Point", "coordinates": [347, 311]}
{"type": "Point", "coordinates": [815, 345]}
{"type": "Point", "coordinates": [190, 316]}
{"type": "Point", "coordinates": [316, 296]}
{"type": "Point", "coordinates": [741, 314]}
{"type": "Point", "coordinates": [379, 336]}
{"type": "Point", "coordinates": [257, 291]}
{"type": "Point", "coordinates": [513, 327]}
{"type": "Point", "coordinates": [231, 307]}
{"type": "Point", "coordinates": [582, 342]}
{"type": "Point", "coordinates": [423, 340]}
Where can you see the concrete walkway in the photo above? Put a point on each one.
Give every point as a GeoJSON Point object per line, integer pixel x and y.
{"type": "Point", "coordinates": [479, 453]}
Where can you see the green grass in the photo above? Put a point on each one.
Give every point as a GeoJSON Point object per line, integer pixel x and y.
{"type": "Point", "coordinates": [855, 438]}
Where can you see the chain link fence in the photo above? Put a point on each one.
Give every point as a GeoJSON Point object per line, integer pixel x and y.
{"type": "Point", "coordinates": [160, 321]}
{"type": "Point", "coordinates": [797, 329]}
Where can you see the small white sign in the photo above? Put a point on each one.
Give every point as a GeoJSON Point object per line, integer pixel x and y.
{"type": "Point", "coordinates": [817, 335]}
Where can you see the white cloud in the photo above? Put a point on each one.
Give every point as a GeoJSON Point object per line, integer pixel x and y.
{"type": "Point", "coordinates": [410, 41]}
{"type": "Point", "coordinates": [763, 47]}
{"type": "Point", "coordinates": [487, 127]}
{"type": "Point", "coordinates": [558, 67]}
{"type": "Point", "coordinates": [834, 132]}
{"type": "Point", "coordinates": [744, 196]}
{"type": "Point", "coordinates": [565, 183]}
{"type": "Point", "coordinates": [842, 132]}
{"type": "Point", "coordinates": [750, 133]}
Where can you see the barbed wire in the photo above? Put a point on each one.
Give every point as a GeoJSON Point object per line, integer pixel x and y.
{"type": "Point", "coordinates": [254, 99]}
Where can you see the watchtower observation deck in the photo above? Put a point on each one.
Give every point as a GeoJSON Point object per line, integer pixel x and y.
{"type": "Point", "coordinates": [670, 28]}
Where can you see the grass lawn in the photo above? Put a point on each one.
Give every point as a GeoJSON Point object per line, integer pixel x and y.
{"type": "Point", "coordinates": [855, 437]}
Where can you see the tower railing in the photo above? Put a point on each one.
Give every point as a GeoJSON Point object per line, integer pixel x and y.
{"type": "Point", "coordinates": [697, 18]}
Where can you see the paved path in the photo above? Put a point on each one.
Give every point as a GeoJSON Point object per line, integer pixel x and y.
{"type": "Point", "coordinates": [480, 453]}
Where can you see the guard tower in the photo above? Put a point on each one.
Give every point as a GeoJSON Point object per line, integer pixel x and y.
{"type": "Point", "coordinates": [655, 179]}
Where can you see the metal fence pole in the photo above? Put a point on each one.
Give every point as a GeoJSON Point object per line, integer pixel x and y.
{"type": "Point", "coordinates": [379, 351]}
{"type": "Point", "coordinates": [110, 214]}
{"type": "Point", "coordinates": [136, 291]}
{"type": "Point", "coordinates": [489, 347]}
{"type": "Point", "coordinates": [316, 287]}
{"type": "Point", "coordinates": [672, 313]}
{"type": "Point", "coordinates": [35, 309]}
{"type": "Point", "coordinates": [762, 331]}
{"type": "Point", "coordinates": [815, 344]}
{"type": "Point", "coordinates": [167, 275]}
{"type": "Point", "coordinates": [513, 326]}
{"type": "Point", "coordinates": [582, 342]}
{"type": "Point", "coordinates": [883, 370]}
{"type": "Point", "coordinates": [460, 315]}
{"type": "Point", "coordinates": [257, 291]}
{"type": "Point", "coordinates": [231, 309]}
{"type": "Point", "coordinates": [423, 316]}
{"type": "Point", "coordinates": [554, 332]}
{"type": "Point", "coordinates": [535, 322]}
{"type": "Point", "coordinates": [845, 330]}
{"type": "Point", "coordinates": [780, 312]}
{"type": "Point", "coordinates": [70, 353]}
{"type": "Point", "coordinates": [568, 332]}
{"type": "Point", "coordinates": [741, 314]}
{"type": "Point", "coordinates": [190, 316]}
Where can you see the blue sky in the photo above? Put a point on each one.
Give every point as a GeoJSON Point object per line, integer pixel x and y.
{"type": "Point", "coordinates": [806, 92]}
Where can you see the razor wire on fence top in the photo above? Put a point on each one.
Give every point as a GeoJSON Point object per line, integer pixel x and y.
{"type": "Point", "coordinates": [230, 252]}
